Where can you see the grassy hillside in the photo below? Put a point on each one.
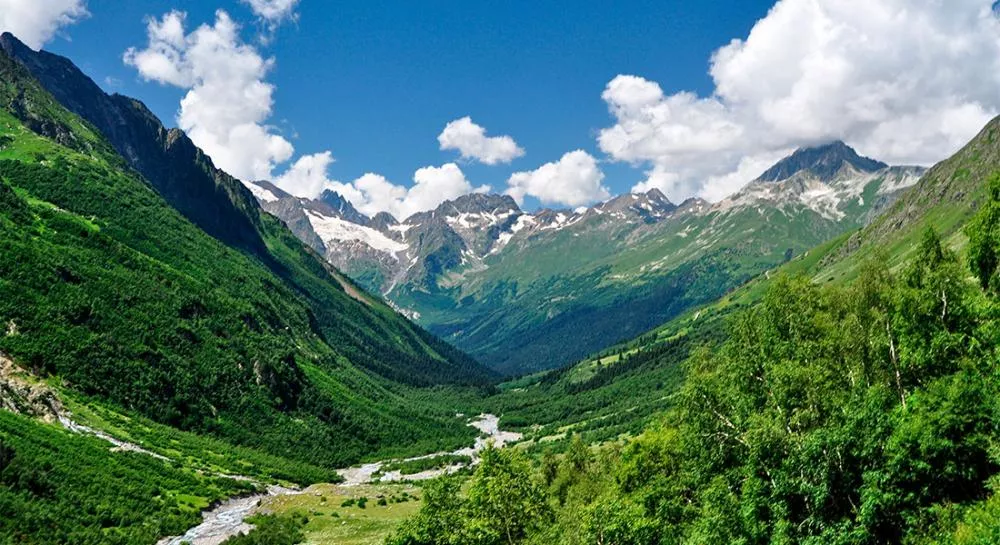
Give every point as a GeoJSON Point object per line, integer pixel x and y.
{"type": "Point", "coordinates": [106, 286]}
{"type": "Point", "coordinates": [862, 415]}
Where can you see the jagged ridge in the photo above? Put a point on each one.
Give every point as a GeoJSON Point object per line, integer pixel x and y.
{"type": "Point", "coordinates": [511, 286]}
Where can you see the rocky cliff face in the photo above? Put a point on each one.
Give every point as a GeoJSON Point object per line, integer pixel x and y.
{"type": "Point", "coordinates": [21, 394]}
{"type": "Point", "coordinates": [182, 173]}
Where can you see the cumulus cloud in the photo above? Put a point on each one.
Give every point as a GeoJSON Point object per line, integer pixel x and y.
{"type": "Point", "coordinates": [471, 141]}
{"type": "Point", "coordinates": [905, 81]}
{"type": "Point", "coordinates": [273, 11]}
{"type": "Point", "coordinates": [573, 180]}
{"type": "Point", "coordinates": [373, 193]}
{"type": "Point", "coordinates": [307, 177]}
{"type": "Point", "coordinates": [228, 101]}
{"type": "Point", "coordinates": [34, 22]}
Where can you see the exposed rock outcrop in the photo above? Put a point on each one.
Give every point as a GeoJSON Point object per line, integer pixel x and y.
{"type": "Point", "coordinates": [21, 394]}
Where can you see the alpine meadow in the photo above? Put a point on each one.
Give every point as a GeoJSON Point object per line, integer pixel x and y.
{"type": "Point", "coordinates": [672, 273]}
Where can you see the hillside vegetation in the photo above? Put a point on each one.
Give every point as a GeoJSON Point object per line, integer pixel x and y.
{"type": "Point", "coordinates": [859, 414]}
{"type": "Point", "coordinates": [621, 388]}
{"type": "Point", "coordinates": [106, 286]}
{"type": "Point", "coordinates": [852, 398]}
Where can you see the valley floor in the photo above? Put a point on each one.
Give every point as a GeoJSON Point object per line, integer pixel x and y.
{"type": "Point", "coordinates": [333, 512]}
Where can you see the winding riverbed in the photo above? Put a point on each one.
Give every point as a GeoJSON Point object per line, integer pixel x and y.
{"type": "Point", "coordinates": [225, 520]}
{"type": "Point", "coordinates": [488, 424]}
{"type": "Point", "coordinates": [229, 518]}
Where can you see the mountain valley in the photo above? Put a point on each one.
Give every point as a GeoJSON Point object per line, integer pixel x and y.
{"type": "Point", "coordinates": [192, 357]}
{"type": "Point", "coordinates": [512, 287]}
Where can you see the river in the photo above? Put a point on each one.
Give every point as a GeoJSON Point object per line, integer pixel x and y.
{"type": "Point", "coordinates": [229, 518]}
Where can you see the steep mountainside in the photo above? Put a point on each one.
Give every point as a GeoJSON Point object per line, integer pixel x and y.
{"type": "Point", "coordinates": [527, 291]}
{"type": "Point", "coordinates": [948, 195]}
{"type": "Point", "coordinates": [121, 295]}
{"type": "Point", "coordinates": [617, 390]}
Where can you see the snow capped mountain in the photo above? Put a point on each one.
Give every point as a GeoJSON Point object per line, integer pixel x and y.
{"type": "Point", "coordinates": [821, 162]}
{"type": "Point", "coordinates": [651, 206]}
{"type": "Point", "coordinates": [832, 181]}
{"type": "Point", "coordinates": [506, 285]}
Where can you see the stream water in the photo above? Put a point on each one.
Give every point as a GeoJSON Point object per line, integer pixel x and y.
{"type": "Point", "coordinates": [229, 518]}
{"type": "Point", "coordinates": [488, 424]}
{"type": "Point", "coordinates": [225, 520]}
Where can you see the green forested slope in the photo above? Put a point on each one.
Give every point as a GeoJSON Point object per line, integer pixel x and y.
{"type": "Point", "coordinates": [107, 287]}
{"type": "Point", "coordinates": [852, 400]}
{"type": "Point", "coordinates": [593, 395]}
{"type": "Point", "coordinates": [59, 488]}
{"type": "Point", "coordinates": [864, 414]}
{"type": "Point", "coordinates": [371, 335]}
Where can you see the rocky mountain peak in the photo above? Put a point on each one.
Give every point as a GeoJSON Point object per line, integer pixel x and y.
{"type": "Point", "coordinates": [384, 220]}
{"type": "Point", "coordinates": [342, 208]}
{"type": "Point", "coordinates": [824, 162]}
{"type": "Point", "coordinates": [10, 44]}
{"type": "Point", "coordinates": [479, 203]}
{"type": "Point", "coordinates": [650, 205]}
{"type": "Point", "coordinates": [657, 196]}
{"type": "Point", "coordinates": [695, 205]}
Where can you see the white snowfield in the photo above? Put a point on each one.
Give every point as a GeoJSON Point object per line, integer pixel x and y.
{"type": "Point", "coordinates": [261, 193]}
{"type": "Point", "coordinates": [336, 229]}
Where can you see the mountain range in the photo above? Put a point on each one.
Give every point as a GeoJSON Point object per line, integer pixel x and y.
{"type": "Point", "coordinates": [172, 337]}
{"type": "Point", "coordinates": [524, 291]}
{"type": "Point", "coordinates": [623, 388]}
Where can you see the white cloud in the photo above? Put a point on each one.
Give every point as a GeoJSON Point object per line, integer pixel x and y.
{"type": "Point", "coordinates": [434, 185]}
{"type": "Point", "coordinates": [573, 180]}
{"type": "Point", "coordinates": [307, 177]}
{"type": "Point", "coordinates": [373, 193]}
{"type": "Point", "coordinates": [273, 11]}
{"type": "Point", "coordinates": [905, 81]}
{"type": "Point", "coordinates": [228, 101]}
{"type": "Point", "coordinates": [471, 141]}
{"type": "Point", "coordinates": [34, 22]}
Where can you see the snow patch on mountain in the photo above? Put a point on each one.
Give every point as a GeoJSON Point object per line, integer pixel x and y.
{"type": "Point", "coordinates": [401, 228]}
{"type": "Point", "coordinates": [262, 194]}
{"type": "Point", "coordinates": [336, 229]}
{"type": "Point", "coordinates": [827, 197]}
{"type": "Point", "coordinates": [557, 222]}
{"type": "Point", "coordinates": [906, 177]}
{"type": "Point", "coordinates": [823, 200]}
{"type": "Point", "coordinates": [523, 221]}
{"type": "Point", "coordinates": [473, 220]}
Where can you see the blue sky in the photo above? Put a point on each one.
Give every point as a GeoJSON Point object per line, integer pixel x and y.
{"type": "Point", "coordinates": [374, 83]}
